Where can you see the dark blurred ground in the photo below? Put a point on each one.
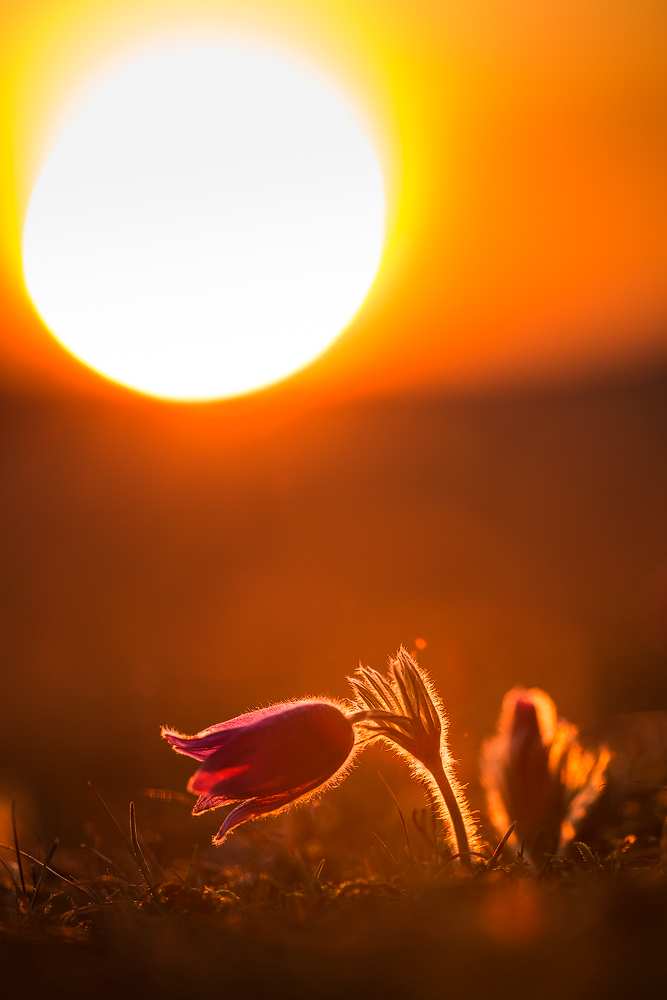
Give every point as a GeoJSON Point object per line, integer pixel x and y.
{"type": "Point", "coordinates": [600, 941]}
{"type": "Point", "coordinates": [159, 566]}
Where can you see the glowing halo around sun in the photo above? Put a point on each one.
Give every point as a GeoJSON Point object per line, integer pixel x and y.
{"type": "Point", "coordinates": [209, 221]}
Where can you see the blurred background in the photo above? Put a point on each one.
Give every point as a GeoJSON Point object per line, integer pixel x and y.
{"type": "Point", "coordinates": [475, 469]}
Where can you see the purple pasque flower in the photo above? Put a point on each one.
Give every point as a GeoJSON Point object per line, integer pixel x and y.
{"type": "Point", "coordinates": [535, 772]}
{"type": "Point", "coordinates": [267, 759]}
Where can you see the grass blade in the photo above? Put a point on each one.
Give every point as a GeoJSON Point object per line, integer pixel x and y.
{"type": "Point", "coordinates": [191, 866]}
{"type": "Point", "coordinates": [45, 868]}
{"type": "Point", "coordinates": [404, 825]}
{"type": "Point", "coordinates": [315, 881]}
{"type": "Point", "coordinates": [66, 878]}
{"type": "Point", "coordinates": [139, 855]}
{"type": "Point", "coordinates": [113, 819]}
{"type": "Point", "coordinates": [18, 853]}
{"type": "Point", "coordinates": [168, 795]}
{"type": "Point", "coordinates": [386, 851]}
{"type": "Point", "coordinates": [495, 857]}
{"type": "Point", "coordinates": [107, 861]}
{"type": "Point", "coordinates": [14, 882]}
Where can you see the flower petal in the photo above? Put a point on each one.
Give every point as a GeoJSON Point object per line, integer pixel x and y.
{"type": "Point", "coordinates": [203, 744]}
{"type": "Point", "coordinates": [202, 782]}
{"type": "Point", "coordinates": [199, 747]}
{"type": "Point", "coordinates": [256, 807]}
{"type": "Point", "coordinates": [205, 803]}
{"type": "Point", "coordinates": [303, 744]}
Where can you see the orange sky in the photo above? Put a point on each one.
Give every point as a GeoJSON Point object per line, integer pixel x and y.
{"type": "Point", "coordinates": [525, 156]}
{"type": "Point", "coordinates": [164, 561]}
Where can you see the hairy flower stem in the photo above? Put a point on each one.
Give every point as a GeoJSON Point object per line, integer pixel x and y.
{"type": "Point", "coordinates": [404, 710]}
{"type": "Point", "coordinates": [454, 810]}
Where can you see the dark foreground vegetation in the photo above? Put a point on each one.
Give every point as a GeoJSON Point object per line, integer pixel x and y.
{"type": "Point", "coordinates": [118, 920]}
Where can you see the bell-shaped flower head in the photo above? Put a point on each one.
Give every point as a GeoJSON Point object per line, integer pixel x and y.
{"type": "Point", "coordinates": [404, 710]}
{"type": "Point", "coordinates": [535, 773]}
{"type": "Point", "coordinates": [268, 759]}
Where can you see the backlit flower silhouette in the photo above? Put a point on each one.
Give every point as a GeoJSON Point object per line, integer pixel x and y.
{"type": "Point", "coordinates": [268, 759]}
{"type": "Point", "coordinates": [535, 772]}
{"type": "Point", "coordinates": [405, 711]}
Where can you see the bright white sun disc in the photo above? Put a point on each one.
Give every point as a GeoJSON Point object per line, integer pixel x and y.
{"type": "Point", "coordinates": [210, 221]}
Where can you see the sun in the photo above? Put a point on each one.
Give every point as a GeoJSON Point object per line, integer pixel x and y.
{"type": "Point", "coordinates": [209, 221]}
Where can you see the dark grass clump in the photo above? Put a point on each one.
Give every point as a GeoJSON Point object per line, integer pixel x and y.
{"type": "Point", "coordinates": [115, 920]}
